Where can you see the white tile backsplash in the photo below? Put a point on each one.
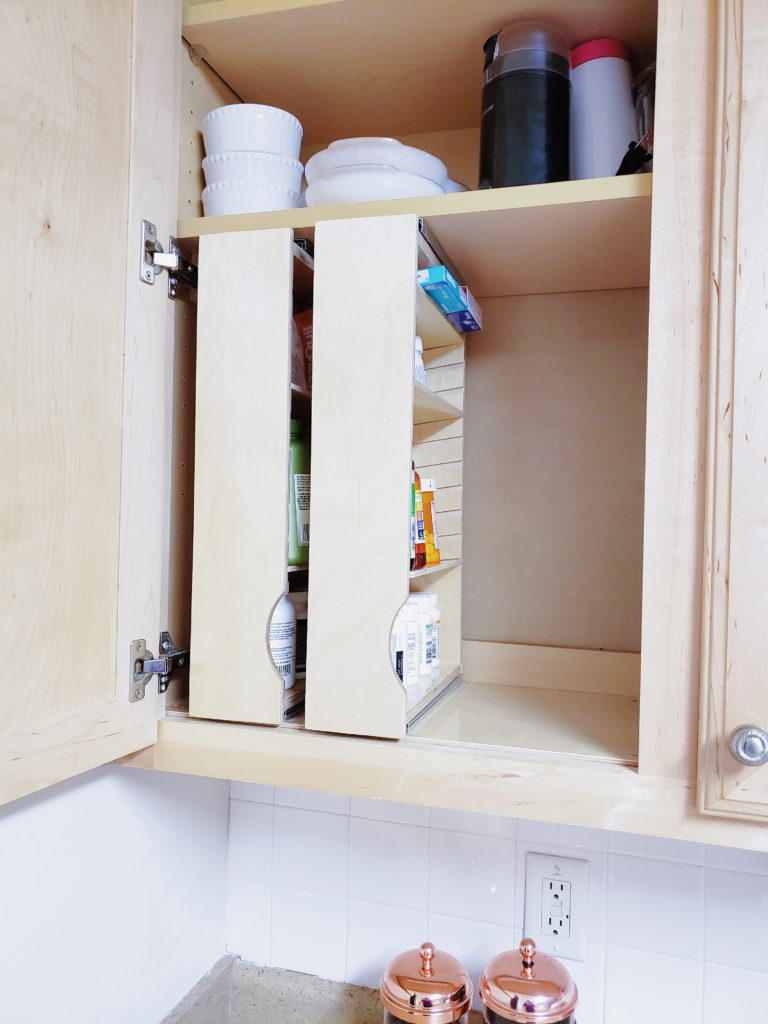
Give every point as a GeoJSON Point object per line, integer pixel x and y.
{"type": "Point", "coordinates": [308, 800]}
{"type": "Point", "coordinates": [486, 867]}
{"type": "Point", "coordinates": [376, 934]}
{"type": "Point", "coordinates": [652, 901]}
{"type": "Point", "coordinates": [337, 887]}
{"type": "Point", "coordinates": [250, 841]}
{"type": "Point", "coordinates": [388, 863]}
{"type": "Point", "coordinates": [308, 932]}
{"type": "Point", "coordinates": [731, 994]}
{"type": "Point", "coordinates": [736, 913]}
{"type": "Point", "coordinates": [653, 846]}
{"type": "Point", "coordinates": [310, 850]}
{"type": "Point", "coordinates": [386, 810]}
{"type": "Point", "coordinates": [642, 987]}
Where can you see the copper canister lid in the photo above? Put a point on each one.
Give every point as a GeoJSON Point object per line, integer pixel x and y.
{"type": "Point", "coordinates": [528, 988]}
{"type": "Point", "coordinates": [426, 986]}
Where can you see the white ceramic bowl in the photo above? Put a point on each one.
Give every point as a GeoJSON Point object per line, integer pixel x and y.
{"type": "Point", "coordinates": [347, 153]}
{"type": "Point", "coordinates": [258, 168]}
{"type": "Point", "coordinates": [225, 197]}
{"type": "Point", "coordinates": [454, 186]}
{"type": "Point", "coordinates": [253, 127]}
{"type": "Point", "coordinates": [367, 183]}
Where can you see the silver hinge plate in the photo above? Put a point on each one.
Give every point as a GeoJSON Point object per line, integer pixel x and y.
{"type": "Point", "coordinates": [144, 665]}
{"type": "Point", "coordinates": [182, 272]}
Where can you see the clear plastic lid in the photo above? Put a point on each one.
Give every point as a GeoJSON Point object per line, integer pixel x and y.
{"type": "Point", "coordinates": [526, 46]}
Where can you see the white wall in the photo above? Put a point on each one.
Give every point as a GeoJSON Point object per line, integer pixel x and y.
{"type": "Point", "coordinates": [112, 896]}
{"type": "Point", "coordinates": [336, 887]}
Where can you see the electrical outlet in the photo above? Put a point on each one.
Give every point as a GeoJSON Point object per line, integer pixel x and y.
{"type": "Point", "coordinates": [556, 900]}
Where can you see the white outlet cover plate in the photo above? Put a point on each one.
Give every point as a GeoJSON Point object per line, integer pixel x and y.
{"type": "Point", "coordinates": [541, 866]}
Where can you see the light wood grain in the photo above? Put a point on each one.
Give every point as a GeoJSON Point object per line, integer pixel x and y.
{"type": "Point", "coordinates": [735, 661]}
{"type": "Point", "coordinates": [532, 239]}
{"type": "Point", "coordinates": [361, 457]}
{"type": "Point", "coordinates": [317, 61]}
{"type": "Point", "coordinates": [429, 407]}
{"type": "Point", "coordinates": [553, 474]}
{"type": "Point", "coordinates": [512, 783]}
{"type": "Point", "coordinates": [148, 361]}
{"type": "Point", "coordinates": [678, 326]}
{"type": "Point", "coordinates": [241, 472]}
{"type": "Point", "coordinates": [38, 754]}
{"type": "Point", "coordinates": [61, 378]}
{"type": "Point", "coordinates": [552, 668]}
{"type": "Point", "coordinates": [202, 90]}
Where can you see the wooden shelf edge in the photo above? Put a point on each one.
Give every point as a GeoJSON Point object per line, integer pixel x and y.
{"type": "Point", "coordinates": [449, 563]}
{"type": "Point", "coordinates": [430, 407]}
{"type": "Point", "coordinates": [553, 789]}
{"type": "Point", "coordinates": [557, 193]}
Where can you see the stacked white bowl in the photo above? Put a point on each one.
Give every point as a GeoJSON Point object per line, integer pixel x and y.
{"type": "Point", "coordinates": [252, 159]}
{"type": "Point", "coordinates": [356, 170]}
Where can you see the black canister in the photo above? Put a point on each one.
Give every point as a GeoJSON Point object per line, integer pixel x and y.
{"type": "Point", "coordinates": [524, 131]}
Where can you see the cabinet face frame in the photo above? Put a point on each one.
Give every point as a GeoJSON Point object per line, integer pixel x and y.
{"type": "Point", "coordinates": [735, 662]}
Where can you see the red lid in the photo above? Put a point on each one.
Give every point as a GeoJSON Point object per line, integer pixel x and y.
{"type": "Point", "coordinates": [599, 48]}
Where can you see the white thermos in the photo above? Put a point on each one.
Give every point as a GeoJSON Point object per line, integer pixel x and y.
{"type": "Point", "coordinates": [603, 119]}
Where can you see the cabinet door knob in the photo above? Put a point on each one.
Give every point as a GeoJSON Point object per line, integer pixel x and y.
{"type": "Point", "coordinates": [749, 744]}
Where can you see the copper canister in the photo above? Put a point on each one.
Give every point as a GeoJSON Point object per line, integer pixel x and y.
{"type": "Point", "coordinates": [526, 987]}
{"type": "Point", "coordinates": [425, 986]}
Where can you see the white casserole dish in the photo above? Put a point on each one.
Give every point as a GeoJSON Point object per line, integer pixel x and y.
{"type": "Point", "coordinates": [258, 168]}
{"type": "Point", "coordinates": [225, 197]}
{"type": "Point", "coordinates": [369, 183]}
{"type": "Point", "coordinates": [345, 154]}
{"type": "Point", "coordinates": [252, 127]}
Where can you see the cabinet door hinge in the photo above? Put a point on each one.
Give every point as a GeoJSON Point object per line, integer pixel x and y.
{"type": "Point", "coordinates": [144, 665]}
{"type": "Point", "coordinates": [182, 272]}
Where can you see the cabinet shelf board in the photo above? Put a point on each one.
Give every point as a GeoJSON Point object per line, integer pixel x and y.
{"type": "Point", "coordinates": [316, 59]}
{"type": "Point", "coordinates": [598, 726]}
{"type": "Point", "coordinates": [429, 407]}
{"type": "Point", "coordinates": [435, 330]}
{"type": "Point", "coordinates": [531, 239]}
{"type": "Point", "coordinates": [449, 563]}
{"type": "Point", "coordinates": [450, 673]}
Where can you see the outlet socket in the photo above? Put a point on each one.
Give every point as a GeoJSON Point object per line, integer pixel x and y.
{"type": "Point", "coordinates": [556, 901]}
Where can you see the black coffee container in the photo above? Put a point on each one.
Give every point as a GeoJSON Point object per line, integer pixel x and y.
{"type": "Point", "coordinates": [525, 126]}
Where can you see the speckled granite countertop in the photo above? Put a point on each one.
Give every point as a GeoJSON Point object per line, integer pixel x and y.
{"type": "Point", "coordinates": [234, 992]}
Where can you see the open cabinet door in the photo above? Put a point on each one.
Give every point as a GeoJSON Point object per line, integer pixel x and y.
{"type": "Point", "coordinates": [90, 148]}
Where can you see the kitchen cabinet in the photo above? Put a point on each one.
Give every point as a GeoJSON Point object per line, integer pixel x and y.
{"type": "Point", "coordinates": [558, 716]}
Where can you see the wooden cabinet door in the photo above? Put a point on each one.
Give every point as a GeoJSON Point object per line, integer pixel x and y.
{"type": "Point", "coordinates": [89, 104]}
{"type": "Point", "coordinates": [735, 664]}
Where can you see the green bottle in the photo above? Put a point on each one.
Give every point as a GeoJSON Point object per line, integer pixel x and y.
{"type": "Point", "coordinates": [298, 501]}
